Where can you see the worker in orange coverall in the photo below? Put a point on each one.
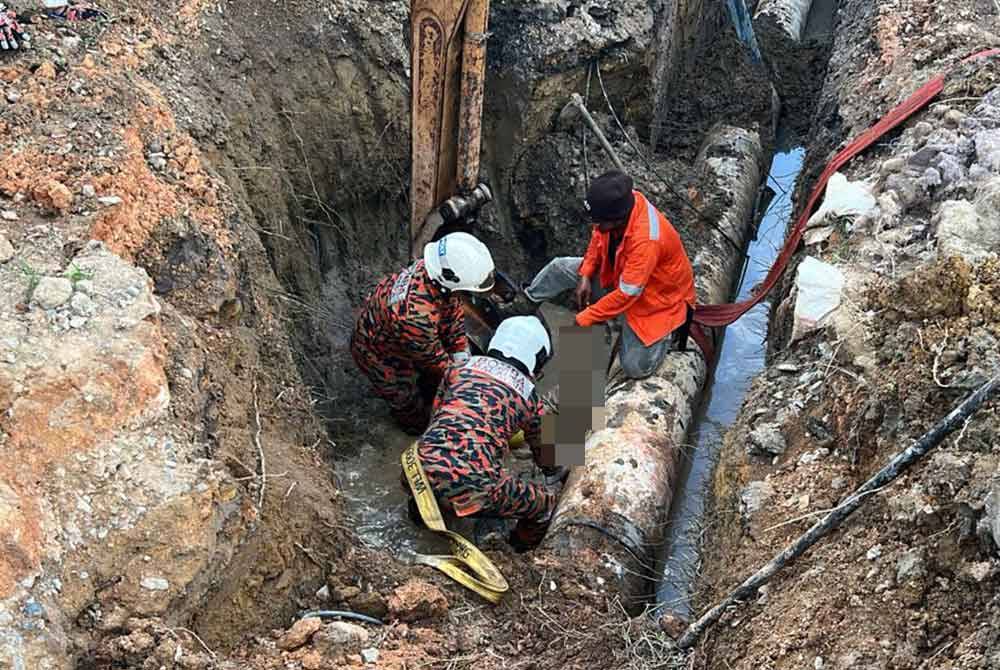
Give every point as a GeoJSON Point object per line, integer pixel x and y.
{"type": "Point", "coordinates": [412, 326]}
{"type": "Point", "coordinates": [479, 408]}
{"type": "Point", "coordinates": [642, 272]}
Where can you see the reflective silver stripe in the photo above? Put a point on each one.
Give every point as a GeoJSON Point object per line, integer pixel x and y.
{"type": "Point", "coordinates": [654, 221]}
{"type": "Point", "coordinates": [629, 289]}
{"type": "Point", "coordinates": [503, 372]}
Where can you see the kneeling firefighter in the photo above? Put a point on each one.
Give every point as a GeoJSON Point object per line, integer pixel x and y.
{"type": "Point", "coordinates": [412, 326]}
{"type": "Point", "coordinates": [480, 407]}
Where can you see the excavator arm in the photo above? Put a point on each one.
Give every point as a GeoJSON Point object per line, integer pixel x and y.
{"type": "Point", "coordinates": [448, 63]}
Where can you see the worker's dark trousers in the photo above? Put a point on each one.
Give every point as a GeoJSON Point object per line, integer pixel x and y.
{"type": "Point", "coordinates": [562, 274]}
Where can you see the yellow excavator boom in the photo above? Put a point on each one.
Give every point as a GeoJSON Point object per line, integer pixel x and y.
{"type": "Point", "coordinates": [448, 64]}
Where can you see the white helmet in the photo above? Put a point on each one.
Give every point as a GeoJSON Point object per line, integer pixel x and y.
{"type": "Point", "coordinates": [460, 262]}
{"type": "Point", "coordinates": [525, 339]}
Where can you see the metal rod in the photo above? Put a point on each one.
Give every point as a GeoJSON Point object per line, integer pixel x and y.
{"type": "Point", "coordinates": [576, 101]}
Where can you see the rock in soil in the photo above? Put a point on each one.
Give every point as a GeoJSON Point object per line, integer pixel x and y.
{"type": "Point", "coordinates": [370, 603]}
{"type": "Point", "coordinates": [991, 518]}
{"type": "Point", "coordinates": [340, 637]}
{"type": "Point", "coordinates": [300, 633]}
{"type": "Point", "coordinates": [52, 194]}
{"type": "Point", "coordinates": [755, 494]}
{"type": "Point", "coordinates": [672, 625]}
{"type": "Point", "coordinates": [416, 600]}
{"type": "Point", "coordinates": [6, 249]}
{"type": "Point", "coordinates": [767, 440]}
{"type": "Point", "coordinates": [52, 292]}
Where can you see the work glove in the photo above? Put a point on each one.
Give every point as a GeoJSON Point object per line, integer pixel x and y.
{"type": "Point", "coordinates": [12, 37]}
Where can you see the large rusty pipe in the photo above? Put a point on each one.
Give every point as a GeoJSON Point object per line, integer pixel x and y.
{"type": "Point", "coordinates": [616, 504]}
{"type": "Point", "coordinates": [788, 16]}
{"type": "Point", "coordinates": [470, 116]}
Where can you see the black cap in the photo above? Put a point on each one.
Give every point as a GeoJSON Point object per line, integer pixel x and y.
{"type": "Point", "coordinates": [610, 197]}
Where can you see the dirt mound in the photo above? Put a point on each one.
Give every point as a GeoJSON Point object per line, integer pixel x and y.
{"type": "Point", "coordinates": [140, 398]}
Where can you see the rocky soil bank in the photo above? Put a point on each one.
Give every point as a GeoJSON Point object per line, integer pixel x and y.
{"type": "Point", "coordinates": [911, 580]}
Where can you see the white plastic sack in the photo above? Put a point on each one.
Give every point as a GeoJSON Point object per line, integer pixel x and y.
{"type": "Point", "coordinates": [843, 198]}
{"type": "Point", "coordinates": [818, 287]}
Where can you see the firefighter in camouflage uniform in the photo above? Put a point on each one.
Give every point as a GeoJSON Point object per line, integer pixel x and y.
{"type": "Point", "coordinates": [481, 405]}
{"type": "Point", "coordinates": [412, 326]}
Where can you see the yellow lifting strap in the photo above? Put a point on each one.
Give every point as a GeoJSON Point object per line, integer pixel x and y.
{"type": "Point", "coordinates": [466, 565]}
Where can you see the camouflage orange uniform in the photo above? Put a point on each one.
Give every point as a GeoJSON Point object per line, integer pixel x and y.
{"type": "Point", "coordinates": [404, 339]}
{"type": "Point", "coordinates": [481, 405]}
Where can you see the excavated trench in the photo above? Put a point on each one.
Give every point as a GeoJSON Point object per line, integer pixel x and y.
{"type": "Point", "coordinates": [322, 173]}
{"type": "Point", "coordinates": [312, 139]}
{"type": "Point", "coordinates": [329, 245]}
{"type": "Point", "coordinates": [797, 71]}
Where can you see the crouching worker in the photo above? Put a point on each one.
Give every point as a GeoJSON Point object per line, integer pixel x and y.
{"type": "Point", "coordinates": [642, 271]}
{"type": "Point", "coordinates": [481, 406]}
{"type": "Point", "coordinates": [412, 326]}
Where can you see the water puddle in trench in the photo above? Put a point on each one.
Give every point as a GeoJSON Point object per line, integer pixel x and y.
{"type": "Point", "coordinates": [741, 357]}
{"type": "Point", "coordinates": [368, 474]}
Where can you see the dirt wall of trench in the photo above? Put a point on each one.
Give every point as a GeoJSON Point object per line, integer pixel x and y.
{"type": "Point", "coordinates": [911, 579]}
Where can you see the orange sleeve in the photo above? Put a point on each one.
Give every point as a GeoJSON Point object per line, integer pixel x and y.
{"type": "Point", "coordinates": [641, 261]}
{"type": "Point", "coordinates": [591, 259]}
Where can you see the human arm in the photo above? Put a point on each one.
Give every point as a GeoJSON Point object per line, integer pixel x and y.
{"type": "Point", "coordinates": [639, 265]}
{"type": "Point", "coordinates": [453, 335]}
{"type": "Point", "coordinates": [592, 258]}
{"type": "Point", "coordinates": [423, 345]}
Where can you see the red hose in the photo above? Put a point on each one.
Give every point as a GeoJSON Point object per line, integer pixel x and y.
{"type": "Point", "coordinates": [723, 315]}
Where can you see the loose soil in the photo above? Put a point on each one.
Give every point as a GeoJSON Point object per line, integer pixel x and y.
{"type": "Point", "coordinates": [907, 582]}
